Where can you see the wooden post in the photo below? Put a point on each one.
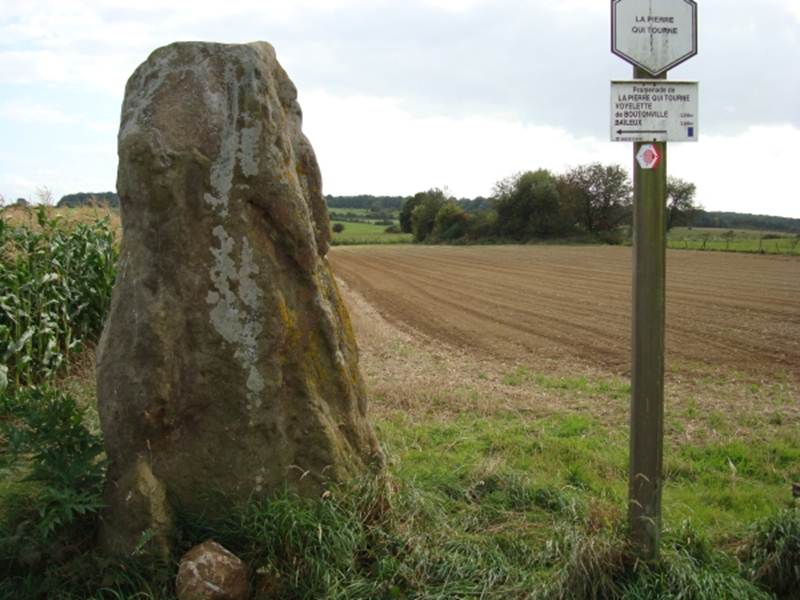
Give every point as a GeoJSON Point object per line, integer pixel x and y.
{"type": "Point", "coordinates": [647, 370]}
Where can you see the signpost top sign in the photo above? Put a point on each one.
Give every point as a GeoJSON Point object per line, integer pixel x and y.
{"type": "Point", "coordinates": [654, 35]}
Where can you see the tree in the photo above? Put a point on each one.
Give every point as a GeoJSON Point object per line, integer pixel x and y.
{"type": "Point", "coordinates": [451, 222]}
{"type": "Point", "coordinates": [408, 207]}
{"type": "Point", "coordinates": [600, 195]}
{"type": "Point", "coordinates": [482, 225]}
{"type": "Point", "coordinates": [681, 206]}
{"type": "Point", "coordinates": [528, 205]}
{"type": "Point", "coordinates": [338, 227]}
{"type": "Point", "coordinates": [423, 217]}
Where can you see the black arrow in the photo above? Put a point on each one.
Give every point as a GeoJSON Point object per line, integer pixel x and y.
{"type": "Point", "coordinates": [621, 131]}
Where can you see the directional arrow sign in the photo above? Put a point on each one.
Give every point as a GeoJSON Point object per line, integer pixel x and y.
{"type": "Point", "coordinates": [655, 35]}
{"type": "Point", "coordinates": [650, 110]}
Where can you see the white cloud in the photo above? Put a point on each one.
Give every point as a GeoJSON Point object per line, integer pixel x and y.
{"type": "Point", "coordinates": [454, 6]}
{"type": "Point", "coordinates": [374, 145]}
{"type": "Point", "coordinates": [754, 172]}
{"type": "Point", "coordinates": [35, 113]}
{"type": "Point", "coordinates": [792, 6]}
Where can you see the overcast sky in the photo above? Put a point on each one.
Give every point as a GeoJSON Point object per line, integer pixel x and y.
{"type": "Point", "coordinates": [405, 95]}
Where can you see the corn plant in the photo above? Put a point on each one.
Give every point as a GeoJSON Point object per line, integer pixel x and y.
{"type": "Point", "coordinates": [55, 290]}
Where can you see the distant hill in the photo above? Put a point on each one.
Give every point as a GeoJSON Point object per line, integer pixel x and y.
{"type": "Point", "coordinates": [732, 220]}
{"type": "Point", "coordinates": [89, 199]}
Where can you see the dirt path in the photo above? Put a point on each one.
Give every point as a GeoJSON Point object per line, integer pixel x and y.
{"type": "Point", "coordinates": [526, 304]}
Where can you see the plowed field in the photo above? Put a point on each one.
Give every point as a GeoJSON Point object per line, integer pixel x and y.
{"type": "Point", "coordinates": [725, 311]}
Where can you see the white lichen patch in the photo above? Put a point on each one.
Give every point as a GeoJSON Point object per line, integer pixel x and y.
{"type": "Point", "coordinates": [255, 382]}
{"type": "Point", "coordinates": [238, 144]}
{"type": "Point", "coordinates": [221, 176]}
{"type": "Point", "coordinates": [248, 148]}
{"type": "Point", "coordinates": [135, 113]}
{"type": "Point", "coordinates": [236, 316]}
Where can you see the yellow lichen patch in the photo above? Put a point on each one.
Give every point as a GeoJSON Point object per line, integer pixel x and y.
{"type": "Point", "coordinates": [159, 512]}
{"type": "Point", "coordinates": [342, 314]}
{"type": "Point", "coordinates": [288, 320]}
{"type": "Point", "coordinates": [286, 317]}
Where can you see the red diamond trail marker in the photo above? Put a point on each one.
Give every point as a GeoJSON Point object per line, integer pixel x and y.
{"type": "Point", "coordinates": [648, 156]}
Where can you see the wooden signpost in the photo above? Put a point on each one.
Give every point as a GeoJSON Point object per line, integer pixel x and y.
{"type": "Point", "coordinates": [654, 36]}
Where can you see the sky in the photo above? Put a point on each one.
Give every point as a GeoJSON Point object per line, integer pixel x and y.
{"type": "Point", "coordinates": [400, 96]}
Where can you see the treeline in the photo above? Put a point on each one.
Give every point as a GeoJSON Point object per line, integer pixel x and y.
{"type": "Point", "coordinates": [590, 200]}
{"type": "Point", "coordinates": [587, 200]}
{"type": "Point", "coordinates": [365, 201]}
{"type": "Point", "coordinates": [730, 220]}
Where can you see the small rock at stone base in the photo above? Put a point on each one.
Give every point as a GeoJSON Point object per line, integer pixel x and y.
{"type": "Point", "coordinates": [210, 572]}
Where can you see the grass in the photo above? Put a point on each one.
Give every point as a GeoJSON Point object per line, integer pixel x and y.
{"type": "Point", "coordinates": [614, 388]}
{"type": "Point", "coordinates": [720, 487]}
{"type": "Point", "coordinates": [498, 505]}
{"type": "Point", "coordinates": [367, 233]}
{"type": "Point", "coordinates": [474, 507]}
{"type": "Point", "coordinates": [739, 240]}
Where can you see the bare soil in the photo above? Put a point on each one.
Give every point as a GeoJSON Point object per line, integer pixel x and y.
{"type": "Point", "coordinates": [556, 305]}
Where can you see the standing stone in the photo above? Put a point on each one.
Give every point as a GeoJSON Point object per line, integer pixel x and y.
{"type": "Point", "coordinates": [228, 366]}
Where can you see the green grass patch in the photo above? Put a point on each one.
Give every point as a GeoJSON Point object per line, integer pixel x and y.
{"type": "Point", "coordinates": [367, 233]}
{"type": "Point", "coordinates": [733, 240]}
{"type": "Point", "coordinates": [721, 487]}
{"type": "Point", "coordinates": [612, 388]}
{"type": "Point", "coordinates": [496, 506]}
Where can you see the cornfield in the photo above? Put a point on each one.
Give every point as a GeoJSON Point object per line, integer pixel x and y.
{"type": "Point", "coordinates": [55, 289]}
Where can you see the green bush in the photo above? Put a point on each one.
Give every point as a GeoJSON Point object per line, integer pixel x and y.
{"type": "Point", "coordinates": [49, 447]}
{"type": "Point", "coordinates": [55, 290]}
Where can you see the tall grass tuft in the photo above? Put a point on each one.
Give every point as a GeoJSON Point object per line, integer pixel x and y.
{"type": "Point", "coordinates": [353, 544]}
{"type": "Point", "coordinates": [598, 565]}
{"type": "Point", "coordinates": [771, 556]}
{"type": "Point", "coordinates": [690, 569]}
{"type": "Point", "coordinates": [55, 289]}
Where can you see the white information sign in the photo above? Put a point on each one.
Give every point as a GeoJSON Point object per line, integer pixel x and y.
{"type": "Point", "coordinates": [652, 110]}
{"type": "Point", "coordinates": [655, 35]}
